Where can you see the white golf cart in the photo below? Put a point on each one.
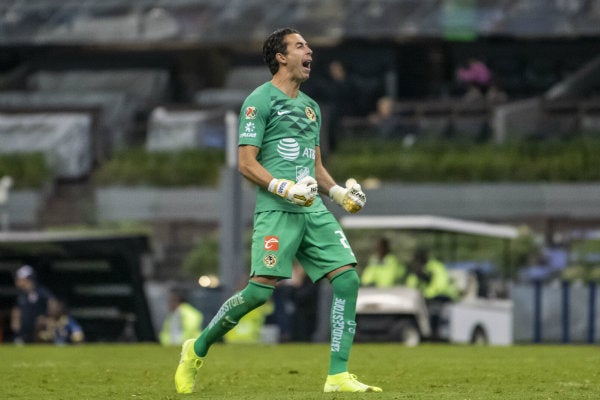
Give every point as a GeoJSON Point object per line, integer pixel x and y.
{"type": "Point", "coordinates": [401, 313]}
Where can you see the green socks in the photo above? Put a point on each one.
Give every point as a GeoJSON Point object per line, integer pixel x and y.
{"type": "Point", "coordinates": [343, 324]}
{"type": "Point", "coordinates": [343, 313]}
{"type": "Point", "coordinates": [252, 296]}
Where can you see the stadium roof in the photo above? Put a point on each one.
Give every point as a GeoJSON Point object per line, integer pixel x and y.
{"type": "Point", "coordinates": [216, 22]}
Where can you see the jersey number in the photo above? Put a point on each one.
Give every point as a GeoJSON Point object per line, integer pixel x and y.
{"type": "Point", "coordinates": [344, 241]}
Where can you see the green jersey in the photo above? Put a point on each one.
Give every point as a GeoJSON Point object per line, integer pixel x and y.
{"type": "Point", "coordinates": [286, 130]}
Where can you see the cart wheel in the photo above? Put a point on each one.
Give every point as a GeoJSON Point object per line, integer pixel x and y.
{"type": "Point", "coordinates": [479, 337]}
{"type": "Point", "coordinates": [405, 331]}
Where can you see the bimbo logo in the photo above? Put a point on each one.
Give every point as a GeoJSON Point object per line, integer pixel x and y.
{"type": "Point", "coordinates": [271, 243]}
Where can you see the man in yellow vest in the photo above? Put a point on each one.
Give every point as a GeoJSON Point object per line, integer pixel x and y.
{"type": "Point", "coordinates": [183, 322]}
{"type": "Point", "coordinates": [248, 329]}
{"type": "Point", "coordinates": [384, 269]}
{"type": "Point", "coordinates": [431, 277]}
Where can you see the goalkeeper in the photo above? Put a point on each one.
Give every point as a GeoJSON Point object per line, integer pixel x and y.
{"type": "Point", "coordinates": [279, 152]}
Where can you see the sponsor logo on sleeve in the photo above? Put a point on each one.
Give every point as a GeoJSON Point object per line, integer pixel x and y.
{"type": "Point", "coordinates": [249, 130]}
{"type": "Point", "coordinates": [250, 112]}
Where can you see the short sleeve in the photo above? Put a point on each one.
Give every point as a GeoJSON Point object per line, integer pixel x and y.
{"type": "Point", "coordinates": [253, 120]}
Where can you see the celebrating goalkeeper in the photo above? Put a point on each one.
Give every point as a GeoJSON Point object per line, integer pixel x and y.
{"type": "Point", "coordinates": [279, 152]}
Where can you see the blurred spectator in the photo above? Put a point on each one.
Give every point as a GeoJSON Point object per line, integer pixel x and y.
{"type": "Point", "coordinates": [283, 309]}
{"type": "Point", "coordinates": [495, 94]}
{"type": "Point", "coordinates": [249, 328]}
{"type": "Point", "coordinates": [383, 269]}
{"type": "Point", "coordinates": [306, 299]}
{"type": "Point", "coordinates": [295, 311]}
{"type": "Point", "coordinates": [183, 321]}
{"type": "Point", "coordinates": [431, 277]}
{"type": "Point", "coordinates": [32, 302]}
{"type": "Point", "coordinates": [57, 326]}
{"type": "Point", "coordinates": [476, 77]}
{"type": "Point", "coordinates": [384, 119]}
{"type": "Point", "coordinates": [341, 95]}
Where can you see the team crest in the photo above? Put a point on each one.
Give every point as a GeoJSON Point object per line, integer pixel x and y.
{"type": "Point", "coordinates": [310, 113]}
{"type": "Point", "coordinates": [270, 260]}
{"type": "Point", "coordinates": [250, 112]}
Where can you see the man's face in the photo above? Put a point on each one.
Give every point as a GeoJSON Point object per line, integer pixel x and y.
{"type": "Point", "coordinates": [298, 58]}
{"type": "Point", "coordinates": [24, 284]}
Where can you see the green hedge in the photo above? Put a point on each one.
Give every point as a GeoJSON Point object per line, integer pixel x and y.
{"type": "Point", "coordinates": [535, 161]}
{"type": "Point", "coordinates": [27, 170]}
{"type": "Point", "coordinates": [180, 168]}
{"type": "Point", "coordinates": [445, 161]}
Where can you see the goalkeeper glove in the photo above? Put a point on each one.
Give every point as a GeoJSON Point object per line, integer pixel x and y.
{"type": "Point", "coordinates": [302, 193]}
{"type": "Point", "coordinates": [351, 198]}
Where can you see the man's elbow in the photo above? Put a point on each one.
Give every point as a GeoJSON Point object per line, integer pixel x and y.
{"type": "Point", "coordinates": [243, 169]}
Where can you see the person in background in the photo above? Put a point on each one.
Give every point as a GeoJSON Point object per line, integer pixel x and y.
{"type": "Point", "coordinates": [476, 78]}
{"type": "Point", "coordinates": [32, 303]}
{"type": "Point", "coordinates": [431, 277]}
{"type": "Point", "coordinates": [306, 299]}
{"type": "Point", "coordinates": [384, 269]}
{"type": "Point", "coordinates": [183, 321]}
{"type": "Point", "coordinates": [295, 310]}
{"type": "Point", "coordinates": [58, 326]}
{"type": "Point", "coordinates": [249, 329]}
{"type": "Point", "coordinates": [342, 97]}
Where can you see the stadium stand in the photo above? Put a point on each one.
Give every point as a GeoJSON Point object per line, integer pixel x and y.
{"type": "Point", "coordinates": [177, 129]}
{"type": "Point", "coordinates": [145, 87]}
{"type": "Point", "coordinates": [239, 83]}
{"type": "Point", "coordinates": [216, 22]}
{"type": "Point", "coordinates": [147, 72]}
{"type": "Point", "coordinates": [113, 113]}
{"type": "Point", "coordinates": [65, 139]}
{"type": "Point", "coordinates": [431, 119]}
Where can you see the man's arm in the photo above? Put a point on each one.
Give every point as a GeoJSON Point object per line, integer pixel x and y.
{"type": "Point", "coordinates": [250, 168]}
{"type": "Point", "coordinates": [15, 319]}
{"type": "Point", "coordinates": [301, 193]}
{"type": "Point", "coordinates": [351, 198]}
{"type": "Point", "coordinates": [324, 179]}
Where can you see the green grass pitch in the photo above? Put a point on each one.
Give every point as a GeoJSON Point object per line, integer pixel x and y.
{"type": "Point", "coordinates": [297, 371]}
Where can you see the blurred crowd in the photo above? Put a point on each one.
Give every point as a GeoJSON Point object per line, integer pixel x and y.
{"type": "Point", "coordinates": [40, 317]}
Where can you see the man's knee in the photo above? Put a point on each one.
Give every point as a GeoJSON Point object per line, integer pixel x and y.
{"type": "Point", "coordinates": [258, 293]}
{"type": "Point", "coordinates": [346, 283]}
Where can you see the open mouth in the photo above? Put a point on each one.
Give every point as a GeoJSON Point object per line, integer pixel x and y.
{"type": "Point", "coordinates": [306, 64]}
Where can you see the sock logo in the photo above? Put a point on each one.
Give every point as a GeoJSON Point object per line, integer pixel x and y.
{"type": "Point", "coordinates": [337, 323]}
{"type": "Point", "coordinates": [234, 301]}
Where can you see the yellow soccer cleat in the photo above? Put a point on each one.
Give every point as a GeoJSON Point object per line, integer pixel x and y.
{"type": "Point", "coordinates": [346, 382]}
{"type": "Point", "coordinates": [189, 364]}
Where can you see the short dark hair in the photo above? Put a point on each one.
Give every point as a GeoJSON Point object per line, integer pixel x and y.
{"type": "Point", "coordinates": [275, 44]}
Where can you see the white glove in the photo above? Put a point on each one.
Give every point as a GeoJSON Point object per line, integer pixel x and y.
{"type": "Point", "coordinates": [351, 198]}
{"type": "Point", "coordinates": [302, 193]}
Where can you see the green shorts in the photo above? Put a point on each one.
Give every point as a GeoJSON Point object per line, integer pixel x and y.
{"type": "Point", "coordinates": [315, 239]}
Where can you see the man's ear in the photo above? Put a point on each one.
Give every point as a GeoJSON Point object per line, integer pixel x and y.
{"type": "Point", "coordinates": [281, 58]}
